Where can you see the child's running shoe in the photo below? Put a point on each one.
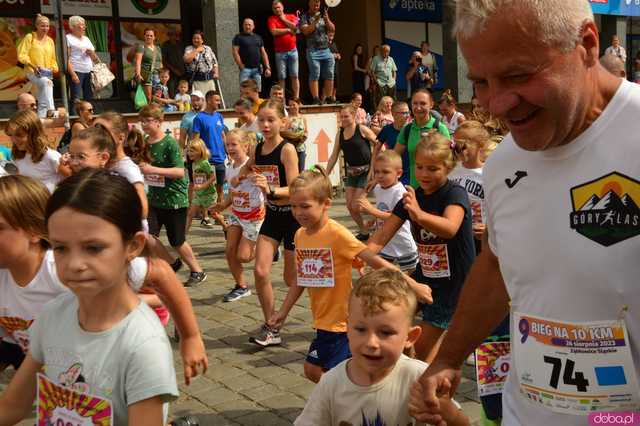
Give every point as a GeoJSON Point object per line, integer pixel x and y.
{"type": "Point", "coordinates": [206, 223]}
{"type": "Point", "coordinates": [267, 336]}
{"type": "Point", "coordinates": [195, 278]}
{"type": "Point", "coordinates": [236, 293]}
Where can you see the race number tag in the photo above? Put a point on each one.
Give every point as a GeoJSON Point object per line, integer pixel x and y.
{"type": "Point", "coordinates": [271, 173]}
{"type": "Point", "coordinates": [154, 180]}
{"type": "Point", "coordinates": [240, 201]}
{"type": "Point", "coordinates": [476, 212]}
{"type": "Point", "coordinates": [575, 368]}
{"type": "Point", "coordinates": [493, 362]}
{"type": "Point", "coordinates": [434, 260]}
{"type": "Point", "coordinates": [18, 330]}
{"type": "Point", "coordinates": [315, 267]}
{"type": "Point", "coordinates": [199, 178]}
{"type": "Point", "coordinates": [59, 405]}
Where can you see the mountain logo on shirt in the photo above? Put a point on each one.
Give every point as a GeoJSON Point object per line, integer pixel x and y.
{"type": "Point", "coordinates": [605, 210]}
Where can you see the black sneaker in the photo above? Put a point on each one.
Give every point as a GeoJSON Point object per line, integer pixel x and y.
{"type": "Point", "coordinates": [195, 278]}
{"type": "Point", "coordinates": [176, 265]}
{"type": "Point", "coordinates": [206, 223]}
{"type": "Point", "coordinates": [276, 255]}
{"type": "Point", "coordinates": [186, 421]}
{"type": "Point", "coordinates": [237, 293]}
{"type": "Point", "coordinates": [362, 237]}
{"type": "Point", "coordinates": [316, 101]}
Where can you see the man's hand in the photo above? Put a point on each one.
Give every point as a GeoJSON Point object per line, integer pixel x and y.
{"type": "Point", "coordinates": [267, 72]}
{"type": "Point", "coordinates": [439, 380]}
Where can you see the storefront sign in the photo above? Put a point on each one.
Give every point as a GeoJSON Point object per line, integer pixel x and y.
{"type": "Point", "coordinates": [616, 7]}
{"type": "Point", "coordinates": [150, 9]}
{"type": "Point", "coordinates": [18, 7]}
{"type": "Point", "coordinates": [412, 10]}
{"type": "Point", "coordinates": [79, 7]}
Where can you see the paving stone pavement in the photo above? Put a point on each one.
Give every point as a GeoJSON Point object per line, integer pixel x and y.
{"type": "Point", "coordinates": [246, 385]}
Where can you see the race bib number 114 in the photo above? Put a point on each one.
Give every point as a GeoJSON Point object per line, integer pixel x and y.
{"type": "Point", "coordinates": [575, 368]}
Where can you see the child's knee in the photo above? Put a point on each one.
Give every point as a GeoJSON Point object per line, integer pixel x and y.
{"type": "Point", "coordinates": [312, 372]}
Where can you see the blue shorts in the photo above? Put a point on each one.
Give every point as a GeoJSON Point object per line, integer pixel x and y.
{"type": "Point", "coordinates": [328, 349]}
{"type": "Point", "coordinates": [251, 74]}
{"type": "Point", "coordinates": [321, 63]}
{"type": "Point", "coordinates": [287, 64]}
{"type": "Point", "coordinates": [438, 314]}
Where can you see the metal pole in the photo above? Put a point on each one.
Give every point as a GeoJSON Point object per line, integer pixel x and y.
{"type": "Point", "coordinates": [61, 48]}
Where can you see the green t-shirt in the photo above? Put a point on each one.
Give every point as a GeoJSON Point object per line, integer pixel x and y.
{"type": "Point", "coordinates": [148, 65]}
{"type": "Point", "coordinates": [166, 193]}
{"type": "Point", "coordinates": [202, 171]}
{"type": "Point", "coordinates": [414, 139]}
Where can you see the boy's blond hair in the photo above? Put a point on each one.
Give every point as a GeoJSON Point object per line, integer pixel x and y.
{"type": "Point", "coordinates": [315, 180]}
{"type": "Point", "coordinates": [384, 286]}
{"type": "Point", "coordinates": [392, 157]}
{"type": "Point", "coordinates": [151, 111]}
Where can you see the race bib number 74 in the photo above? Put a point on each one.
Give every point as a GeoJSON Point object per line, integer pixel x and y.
{"type": "Point", "coordinates": [575, 368]}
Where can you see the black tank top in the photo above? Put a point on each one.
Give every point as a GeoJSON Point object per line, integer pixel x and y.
{"type": "Point", "coordinates": [356, 150]}
{"type": "Point", "coordinates": [276, 174]}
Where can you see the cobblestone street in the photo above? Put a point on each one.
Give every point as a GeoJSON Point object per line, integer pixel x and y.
{"type": "Point", "coordinates": [246, 385]}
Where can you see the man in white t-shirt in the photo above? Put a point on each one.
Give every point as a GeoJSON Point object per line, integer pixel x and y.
{"type": "Point", "coordinates": [616, 49]}
{"type": "Point", "coordinates": [562, 194]}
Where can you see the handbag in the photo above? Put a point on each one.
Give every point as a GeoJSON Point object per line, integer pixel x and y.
{"type": "Point", "coordinates": [357, 170]}
{"type": "Point", "coordinates": [140, 99]}
{"type": "Point", "coordinates": [101, 76]}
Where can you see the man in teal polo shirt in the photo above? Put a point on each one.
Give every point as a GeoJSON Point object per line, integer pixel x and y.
{"type": "Point", "coordinates": [421, 103]}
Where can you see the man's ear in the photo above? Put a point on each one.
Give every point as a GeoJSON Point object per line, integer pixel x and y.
{"type": "Point", "coordinates": [590, 42]}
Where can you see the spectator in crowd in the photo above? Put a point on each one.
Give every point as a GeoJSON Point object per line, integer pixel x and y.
{"type": "Point", "coordinates": [333, 47]}
{"type": "Point", "coordinates": [249, 90]}
{"type": "Point", "coordinates": [417, 75]}
{"type": "Point", "coordinates": [201, 64]}
{"type": "Point", "coordinates": [37, 52]}
{"type": "Point", "coordinates": [172, 51]}
{"type": "Point", "coordinates": [383, 115]}
{"type": "Point", "coordinates": [383, 70]}
{"type": "Point", "coordinates": [315, 25]}
{"type": "Point", "coordinates": [161, 94]}
{"type": "Point", "coordinates": [361, 114]}
{"type": "Point", "coordinates": [208, 125]}
{"type": "Point", "coordinates": [370, 87]}
{"type": "Point", "coordinates": [450, 116]}
{"type": "Point", "coordinates": [616, 49]}
{"type": "Point", "coordinates": [283, 27]}
{"type": "Point", "coordinates": [148, 62]}
{"type": "Point", "coordinates": [81, 54]}
{"type": "Point", "coordinates": [26, 101]}
{"type": "Point", "coordinates": [614, 65]}
{"type": "Point", "coordinates": [359, 70]}
{"type": "Point", "coordinates": [84, 109]}
{"type": "Point", "coordinates": [429, 61]}
{"type": "Point", "coordinates": [247, 120]}
{"type": "Point", "coordinates": [248, 49]}
{"type": "Point", "coordinates": [297, 125]}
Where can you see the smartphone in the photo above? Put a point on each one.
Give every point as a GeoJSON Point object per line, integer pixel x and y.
{"type": "Point", "coordinates": [323, 9]}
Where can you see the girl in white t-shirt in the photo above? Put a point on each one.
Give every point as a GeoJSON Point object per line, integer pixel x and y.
{"type": "Point", "coordinates": [93, 224]}
{"type": "Point", "coordinates": [450, 116]}
{"type": "Point", "coordinates": [31, 152]}
{"type": "Point", "coordinates": [29, 280]}
{"type": "Point", "coordinates": [247, 211]}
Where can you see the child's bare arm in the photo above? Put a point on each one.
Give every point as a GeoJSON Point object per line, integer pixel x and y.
{"type": "Point", "coordinates": [16, 400]}
{"type": "Point", "coordinates": [147, 412]}
{"type": "Point", "coordinates": [451, 414]}
{"type": "Point", "coordinates": [164, 281]}
{"type": "Point", "coordinates": [293, 294]}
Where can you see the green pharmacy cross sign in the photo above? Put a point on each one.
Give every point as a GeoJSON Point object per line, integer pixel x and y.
{"type": "Point", "coordinates": [150, 7]}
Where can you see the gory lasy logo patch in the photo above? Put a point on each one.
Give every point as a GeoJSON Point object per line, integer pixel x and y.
{"type": "Point", "coordinates": [606, 210]}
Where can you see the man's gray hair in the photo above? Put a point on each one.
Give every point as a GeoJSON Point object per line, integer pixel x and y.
{"type": "Point", "coordinates": [613, 64]}
{"type": "Point", "coordinates": [557, 23]}
{"type": "Point", "coordinates": [76, 20]}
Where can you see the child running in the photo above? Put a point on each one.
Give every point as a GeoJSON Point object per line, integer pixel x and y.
{"type": "Point", "coordinates": [204, 183]}
{"type": "Point", "coordinates": [274, 166]}
{"type": "Point", "coordinates": [30, 150]}
{"type": "Point", "coordinates": [440, 218]}
{"type": "Point", "coordinates": [401, 250]}
{"type": "Point", "coordinates": [373, 386]}
{"type": "Point", "coordinates": [247, 211]}
{"type": "Point", "coordinates": [99, 342]}
{"type": "Point", "coordinates": [325, 251]}
{"type": "Point", "coordinates": [28, 278]}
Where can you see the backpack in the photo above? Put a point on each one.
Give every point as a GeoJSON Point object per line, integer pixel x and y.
{"type": "Point", "coordinates": [406, 130]}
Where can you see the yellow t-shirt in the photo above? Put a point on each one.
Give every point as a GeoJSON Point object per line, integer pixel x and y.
{"type": "Point", "coordinates": [34, 53]}
{"type": "Point", "coordinates": [323, 265]}
{"type": "Point", "coordinates": [256, 105]}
